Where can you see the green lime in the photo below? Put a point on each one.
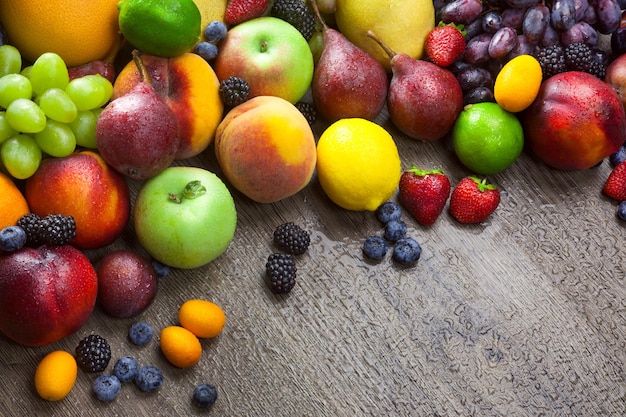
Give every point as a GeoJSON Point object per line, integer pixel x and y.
{"type": "Point", "coordinates": [486, 138]}
{"type": "Point", "coordinates": [164, 28]}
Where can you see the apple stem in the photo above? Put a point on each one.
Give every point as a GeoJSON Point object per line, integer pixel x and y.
{"type": "Point", "coordinates": [318, 15]}
{"type": "Point", "coordinates": [143, 72]}
{"type": "Point", "coordinates": [382, 44]}
{"type": "Point", "coordinates": [193, 189]}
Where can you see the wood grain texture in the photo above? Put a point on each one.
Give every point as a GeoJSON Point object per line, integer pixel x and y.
{"type": "Point", "coordinates": [524, 315]}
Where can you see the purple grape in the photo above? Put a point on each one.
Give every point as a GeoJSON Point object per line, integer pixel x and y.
{"type": "Point", "coordinates": [524, 47]}
{"type": "Point", "coordinates": [513, 18]}
{"type": "Point", "coordinates": [473, 28]}
{"type": "Point", "coordinates": [581, 32]}
{"type": "Point", "coordinates": [492, 21]}
{"type": "Point", "coordinates": [502, 42]}
{"type": "Point", "coordinates": [478, 95]}
{"type": "Point", "coordinates": [563, 14]}
{"type": "Point", "coordinates": [474, 77]}
{"type": "Point", "coordinates": [550, 37]}
{"type": "Point", "coordinates": [536, 20]}
{"type": "Point", "coordinates": [618, 41]}
{"type": "Point", "coordinates": [590, 15]}
{"type": "Point", "coordinates": [461, 11]}
{"type": "Point", "coordinates": [521, 4]}
{"type": "Point", "coordinates": [581, 7]}
{"type": "Point", "coordinates": [609, 16]}
{"type": "Point", "coordinates": [477, 49]}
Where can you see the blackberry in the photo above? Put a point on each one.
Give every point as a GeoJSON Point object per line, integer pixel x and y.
{"type": "Point", "coordinates": [599, 63]}
{"type": "Point", "coordinates": [204, 396]}
{"type": "Point", "coordinates": [107, 387]}
{"type": "Point", "coordinates": [281, 270]}
{"type": "Point", "coordinates": [297, 13]}
{"type": "Point", "coordinates": [375, 247]}
{"type": "Point", "coordinates": [57, 229]}
{"type": "Point", "coordinates": [234, 91]}
{"type": "Point", "coordinates": [31, 224]}
{"type": "Point", "coordinates": [395, 230]}
{"type": "Point", "coordinates": [149, 378]}
{"type": "Point", "coordinates": [407, 251]}
{"type": "Point", "coordinates": [291, 238]}
{"type": "Point", "coordinates": [388, 211]}
{"type": "Point", "coordinates": [12, 238]}
{"type": "Point", "coordinates": [578, 57]}
{"type": "Point", "coordinates": [552, 60]}
{"type": "Point", "coordinates": [308, 111]}
{"type": "Point", "coordinates": [93, 353]}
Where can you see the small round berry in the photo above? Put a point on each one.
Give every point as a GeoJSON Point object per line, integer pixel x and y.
{"type": "Point", "coordinates": [31, 223]}
{"type": "Point", "coordinates": [388, 211]}
{"type": "Point", "coordinates": [204, 396]}
{"type": "Point", "coordinates": [621, 210]}
{"type": "Point", "coordinates": [407, 251]}
{"type": "Point", "coordinates": [12, 238]}
{"type": "Point", "coordinates": [215, 31]}
{"type": "Point", "coordinates": [234, 91]}
{"type": "Point", "coordinates": [308, 111]}
{"type": "Point", "coordinates": [126, 368]}
{"type": "Point", "coordinates": [149, 378]}
{"type": "Point", "coordinates": [618, 156]}
{"type": "Point", "coordinates": [107, 387]}
{"type": "Point", "coordinates": [161, 269]}
{"type": "Point", "coordinates": [281, 271]}
{"type": "Point", "coordinates": [375, 247]}
{"type": "Point", "coordinates": [93, 353]}
{"type": "Point", "coordinates": [207, 50]}
{"type": "Point", "coordinates": [140, 333]}
{"type": "Point", "coordinates": [57, 229]}
{"type": "Point", "coordinates": [291, 238]}
{"type": "Point", "coordinates": [395, 230]}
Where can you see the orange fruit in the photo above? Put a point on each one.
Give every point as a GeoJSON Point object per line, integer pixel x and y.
{"type": "Point", "coordinates": [13, 204]}
{"type": "Point", "coordinates": [517, 84]}
{"type": "Point", "coordinates": [202, 318]}
{"type": "Point", "coordinates": [55, 375]}
{"type": "Point", "coordinates": [78, 32]}
{"type": "Point", "coordinates": [180, 347]}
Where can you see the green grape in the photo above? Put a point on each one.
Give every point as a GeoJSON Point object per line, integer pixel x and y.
{"type": "Point", "coordinates": [86, 93]}
{"type": "Point", "coordinates": [108, 87]}
{"type": "Point", "coordinates": [6, 131]}
{"type": "Point", "coordinates": [12, 87]}
{"type": "Point", "coordinates": [57, 105]}
{"type": "Point", "coordinates": [57, 139]}
{"type": "Point", "coordinates": [26, 71]}
{"type": "Point", "coordinates": [10, 60]}
{"type": "Point", "coordinates": [84, 128]}
{"type": "Point", "coordinates": [49, 71]}
{"type": "Point", "coordinates": [25, 116]}
{"type": "Point", "coordinates": [20, 156]}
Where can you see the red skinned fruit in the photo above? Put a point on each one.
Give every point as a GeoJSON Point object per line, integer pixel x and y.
{"type": "Point", "coordinates": [444, 44]}
{"type": "Point", "coordinates": [615, 185]}
{"type": "Point", "coordinates": [473, 200]}
{"type": "Point", "coordinates": [424, 193]}
{"type": "Point", "coordinates": [238, 11]}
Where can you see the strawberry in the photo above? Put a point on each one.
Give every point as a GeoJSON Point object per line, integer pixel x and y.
{"type": "Point", "coordinates": [473, 200]}
{"type": "Point", "coordinates": [424, 193]}
{"type": "Point", "coordinates": [238, 11]}
{"type": "Point", "coordinates": [445, 44]}
{"type": "Point", "coordinates": [615, 185]}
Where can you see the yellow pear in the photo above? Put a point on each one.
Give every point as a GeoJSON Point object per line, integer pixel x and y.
{"type": "Point", "coordinates": [402, 24]}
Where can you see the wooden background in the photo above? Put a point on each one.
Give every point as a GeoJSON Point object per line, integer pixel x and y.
{"type": "Point", "coordinates": [524, 315]}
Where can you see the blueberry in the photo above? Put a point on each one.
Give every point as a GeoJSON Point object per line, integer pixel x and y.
{"type": "Point", "coordinates": [621, 210]}
{"type": "Point", "coordinates": [149, 378]}
{"type": "Point", "coordinates": [140, 333]}
{"type": "Point", "coordinates": [12, 238]}
{"type": "Point", "coordinates": [204, 396]}
{"type": "Point", "coordinates": [407, 251]}
{"type": "Point", "coordinates": [388, 211]}
{"type": "Point", "coordinates": [161, 269]}
{"type": "Point", "coordinates": [126, 368]}
{"type": "Point", "coordinates": [206, 50]}
{"type": "Point", "coordinates": [394, 230]}
{"type": "Point", "coordinates": [215, 31]}
{"type": "Point", "coordinates": [106, 387]}
{"type": "Point", "coordinates": [375, 247]}
{"type": "Point", "coordinates": [618, 156]}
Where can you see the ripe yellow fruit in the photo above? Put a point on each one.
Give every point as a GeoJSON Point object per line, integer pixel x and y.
{"type": "Point", "coordinates": [203, 318]}
{"type": "Point", "coordinates": [402, 24]}
{"type": "Point", "coordinates": [13, 204]}
{"type": "Point", "coordinates": [78, 32]}
{"type": "Point", "coordinates": [518, 82]}
{"type": "Point", "coordinates": [358, 165]}
{"type": "Point", "coordinates": [210, 10]}
{"type": "Point", "coordinates": [180, 347]}
{"type": "Point", "coordinates": [55, 375]}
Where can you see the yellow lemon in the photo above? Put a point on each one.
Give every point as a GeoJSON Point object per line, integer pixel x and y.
{"type": "Point", "coordinates": [55, 375]}
{"type": "Point", "coordinates": [517, 84]}
{"type": "Point", "coordinates": [358, 165]}
{"type": "Point", "coordinates": [78, 32]}
{"type": "Point", "coordinates": [402, 24]}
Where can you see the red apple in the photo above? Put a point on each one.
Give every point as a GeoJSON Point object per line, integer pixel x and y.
{"type": "Point", "coordinates": [82, 185]}
{"type": "Point", "coordinates": [46, 294]}
{"type": "Point", "coordinates": [127, 283]}
{"type": "Point", "coordinates": [576, 121]}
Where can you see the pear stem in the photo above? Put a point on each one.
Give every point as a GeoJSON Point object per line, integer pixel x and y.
{"type": "Point", "coordinates": [318, 15]}
{"type": "Point", "coordinates": [143, 72]}
{"type": "Point", "coordinates": [382, 44]}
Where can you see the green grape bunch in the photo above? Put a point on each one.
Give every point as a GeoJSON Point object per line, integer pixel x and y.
{"type": "Point", "coordinates": [43, 113]}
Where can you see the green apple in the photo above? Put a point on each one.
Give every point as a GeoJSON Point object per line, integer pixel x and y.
{"type": "Point", "coordinates": [184, 217]}
{"type": "Point", "coordinates": [271, 55]}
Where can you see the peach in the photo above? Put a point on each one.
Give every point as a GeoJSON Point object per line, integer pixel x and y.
{"type": "Point", "coordinates": [188, 84]}
{"type": "Point", "coordinates": [266, 149]}
{"type": "Point", "coordinates": [82, 185]}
